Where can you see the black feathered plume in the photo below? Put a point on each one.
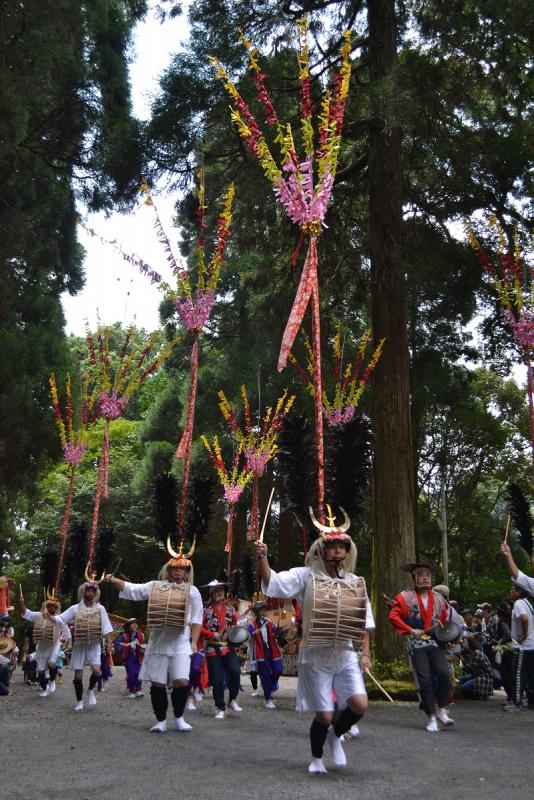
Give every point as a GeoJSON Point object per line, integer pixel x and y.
{"type": "Point", "coordinates": [348, 464]}
{"type": "Point", "coordinates": [521, 516]}
{"type": "Point", "coordinates": [199, 507]}
{"type": "Point", "coordinates": [222, 575]}
{"type": "Point", "coordinates": [166, 504]}
{"type": "Point", "coordinates": [75, 561]}
{"type": "Point", "coordinates": [247, 576]}
{"type": "Point", "coordinates": [296, 459]}
{"type": "Point", "coordinates": [235, 582]}
{"type": "Point", "coordinates": [49, 563]}
{"type": "Point", "coordinates": [106, 537]}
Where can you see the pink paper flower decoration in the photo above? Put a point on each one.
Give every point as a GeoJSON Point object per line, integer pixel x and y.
{"type": "Point", "coordinates": [523, 328]}
{"type": "Point", "coordinates": [111, 406]}
{"type": "Point", "coordinates": [232, 493]}
{"type": "Point", "coordinates": [195, 313]}
{"type": "Point", "coordinates": [73, 453]}
{"type": "Point", "coordinates": [339, 416]}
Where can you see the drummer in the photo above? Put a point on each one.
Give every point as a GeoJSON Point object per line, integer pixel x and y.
{"type": "Point", "coordinates": [415, 613]}
{"type": "Point", "coordinates": [87, 654]}
{"type": "Point", "coordinates": [219, 618]}
{"type": "Point", "coordinates": [168, 653]}
{"type": "Point", "coordinates": [331, 559]}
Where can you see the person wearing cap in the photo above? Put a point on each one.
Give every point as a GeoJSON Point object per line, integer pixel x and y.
{"type": "Point", "coordinates": [415, 613]}
{"type": "Point", "coordinates": [324, 668]}
{"type": "Point", "coordinates": [87, 654]}
{"type": "Point", "coordinates": [48, 648]}
{"type": "Point", "coordinates": [131, 644]}
{"type": "Point", "coordinates": [168, 653]}
{"type": "Point", "coordinates": [219, 618]}
{"type": "Point", "coordinates": [265, 651]}
{"type": "Point", "coordinates": [454, 615]}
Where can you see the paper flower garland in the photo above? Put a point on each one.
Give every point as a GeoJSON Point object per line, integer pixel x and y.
{"type": "Point", "coordinates": [233, 479]}
{"type": "Point", "coordinates": [193, 304]}
{"type": "Point", "coordinates": [74, 444]}
{"type": "Point", "coordinates": [349, 383]}
{"type": "Point", "coordinates": [256, 441]}
{"type": "Point", "coordinates": [513, 283]}
{"type": "Point", "coordinates": [302, 185]}
{"type": "Point", "coordinates": [114, 385]}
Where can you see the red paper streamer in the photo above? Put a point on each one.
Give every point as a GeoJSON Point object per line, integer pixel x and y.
{"type": "Point", "coordinates": [65, 527]}
{"type": "Point", "coordinates": [186, 442]}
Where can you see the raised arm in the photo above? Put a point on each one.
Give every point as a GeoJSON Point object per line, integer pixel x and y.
{"type": "Point", "coordinates": [263, 562]}
{"type": "Point", "coordinates": [513, 569]}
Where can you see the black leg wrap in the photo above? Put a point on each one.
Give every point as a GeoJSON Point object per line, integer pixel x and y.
{"type": "Point", "coordinates": [78, 688]}
{"type": "Point", "coordinates": [93, 680]}
{"type": "Point", "coordinates": [160, 702]}
{"type": "Point", "coordinates": [318, 738]}
{"type": "Point", "coordinates": [43, 680]}
{"type": "Point", "coordinates": [52, 671]}
{"type": "Point", "coordinates": [345, 721]}
{"type": "Point", "coordinates": [179, 697]}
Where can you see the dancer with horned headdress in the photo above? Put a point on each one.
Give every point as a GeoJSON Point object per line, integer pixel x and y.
{"type": "Point", "coordinates": [337, 622]}
{"type": "Point", "coordinates": [91, 624]}
{"type": "Point", "coordinates": [46, 633]}
{"type": "Point", "coordinates": [174, 618]}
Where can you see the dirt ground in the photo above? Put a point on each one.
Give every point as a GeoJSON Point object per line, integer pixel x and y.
{"type": "Point", "coordinates": [51, 753]}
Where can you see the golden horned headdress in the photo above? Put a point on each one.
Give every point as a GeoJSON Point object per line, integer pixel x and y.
{"type": "Point", "coordinates": [332, 533]}
{"type": "Point", "coordinates": [180, 559]}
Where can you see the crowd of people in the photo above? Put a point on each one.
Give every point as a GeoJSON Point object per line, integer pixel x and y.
{"type": "Point", "coordinates": [193, 644]}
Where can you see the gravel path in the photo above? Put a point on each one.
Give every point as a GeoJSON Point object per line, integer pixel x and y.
{"type": "Point", "coordinates": [106, 752]}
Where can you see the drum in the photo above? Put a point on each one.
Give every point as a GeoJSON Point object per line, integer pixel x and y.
{"type": "Point", "coordinates": [334, 612]}
{"type": "Point", "coordinates": [238, 635]}
{"type": "Point", "coordinates": [88, 627]}
{"type": "Point", "coordinates": [45, 630]}
{"type": "Point", "coordinates": [168, 606]}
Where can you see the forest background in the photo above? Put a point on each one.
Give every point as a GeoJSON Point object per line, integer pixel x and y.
{"type": "Point", "coordinates": [455, 95]}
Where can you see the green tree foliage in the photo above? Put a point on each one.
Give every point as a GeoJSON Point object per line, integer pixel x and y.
{"type": "Point", "coordinates": [66, 132]}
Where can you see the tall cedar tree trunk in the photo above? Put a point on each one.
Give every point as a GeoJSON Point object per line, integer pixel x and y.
{"type": "Point", "coordinates": [393, 483]}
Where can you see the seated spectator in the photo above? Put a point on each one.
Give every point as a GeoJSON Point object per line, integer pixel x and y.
{"type": "Point", "coordinates": [469, 620]}
{"type": "Point", "coordinates": [478, 621]}
{"type": "Point", "coordinates": [7, 663]}
{"type": "Point", "coordinates": [478, 683]}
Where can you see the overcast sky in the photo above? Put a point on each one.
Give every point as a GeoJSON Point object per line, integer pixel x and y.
{"type": "Point", "coordinates": [113, 288]}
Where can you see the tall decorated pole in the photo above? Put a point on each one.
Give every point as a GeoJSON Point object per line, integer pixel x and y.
{"type": "Point", "coordinates": [233, 480]}
{"type": "Point", "coordinates": [193, 304]}
{"type": "Point", "coordinates": [115, 385]}
{"type": "Point", "coordinates": [513, 283]}
{"type": "Point", "coordinates": [74, 443]}
{"type": "Point", "coordinates": [303, 187]}
{"type": "Point", "coordinates": [257, 441]}
{"type": "Point", "coordinates": [349, 382]}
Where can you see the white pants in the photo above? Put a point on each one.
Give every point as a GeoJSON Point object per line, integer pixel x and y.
{"type": "Point", "coordinates": [45, 652]}
{"type": "Point", "coordinates": [83, 654]}
{"type": "Point", "coordinates": [163, 669]}
{"type": "Point", "coordinates": [315, 684]}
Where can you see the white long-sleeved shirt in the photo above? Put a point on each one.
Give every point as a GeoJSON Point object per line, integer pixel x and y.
{"type": "Point", "coordinates": [167, 641]}
{"type": "Point", "coordinates": [525, 582]}
{"type": "Point", "coordinates": [32, 616]}
{"type": "Point", "coordinates": [291, 584]}
{"type": "Point", "coordinates": [69, 614]}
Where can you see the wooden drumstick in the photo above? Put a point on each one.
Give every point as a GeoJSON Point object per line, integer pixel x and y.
{"type": "Point", "coordinates": [507, 529]}
{"type": "Point", "coordinates": [266, 515]}
{"type": "Point", "coordinates": [389, 697]}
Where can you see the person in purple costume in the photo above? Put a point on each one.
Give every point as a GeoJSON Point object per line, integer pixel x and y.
{"type": "Point", "coordinates": [132, 646]}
